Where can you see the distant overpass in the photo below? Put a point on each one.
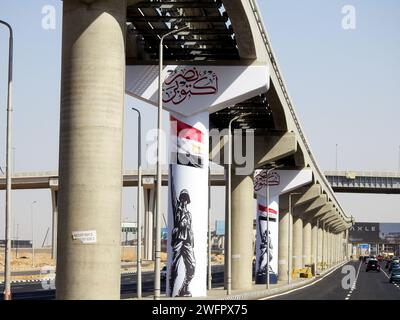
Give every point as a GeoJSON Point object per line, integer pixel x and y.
{"type": "Point", "coordinates": [341, 181]}
{"type": "Point", "coordinates": [49, 179]}
{"type": "Point", "coordinates": [364, 182]}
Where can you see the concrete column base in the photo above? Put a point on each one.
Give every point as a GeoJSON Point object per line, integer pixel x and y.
{"type": "Point", "coordinates": [91, 139]}
{"type": "Point", "coordinates": [297, 243]}
{"type": "Point", "coordinates": [242, 231]}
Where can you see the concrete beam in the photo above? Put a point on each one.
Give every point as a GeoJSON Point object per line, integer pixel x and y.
{"type": "Point", "coordinates": [327, 215]}
{"type": "Point", "coordinates": [330, 219]}
{"type": "Point", "coordinates": [266, 148]}
{"type": "Point", "coordinates": [271, 148]}
{"type": "Point", "coordinates": [310, 193]}
{"type": "Point", "coordinates": [248, 37]}
{"type": "Point", "coordinates": [307, 194]}
{"type": "Point", "coordinates": [311, 207]}
{"type": "Point", "coordinates": [327, 208]}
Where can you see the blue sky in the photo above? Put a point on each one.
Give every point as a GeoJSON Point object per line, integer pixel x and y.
{"type": "Point", "coordinates": [344, 84]}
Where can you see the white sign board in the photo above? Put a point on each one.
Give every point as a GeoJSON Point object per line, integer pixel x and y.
{"type": "Point", "coordinates": [188, 90]}
{"type": "Point", "coordinates": [279, 182]}
{"type": "Point", "coordinates": [85, 237]}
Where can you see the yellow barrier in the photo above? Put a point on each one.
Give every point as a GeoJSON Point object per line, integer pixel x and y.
{"type": "Point", "coordinates": [302, 273]}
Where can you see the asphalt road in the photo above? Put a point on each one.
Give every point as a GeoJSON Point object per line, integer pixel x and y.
{"type": "Point", "coordinates": [368, 286]}
{"type": "Point", "coordinates": [35, 291]}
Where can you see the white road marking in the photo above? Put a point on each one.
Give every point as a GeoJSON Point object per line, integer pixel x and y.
{"type": "Point", "coordinates": [308, 285]}
{"type": "Point", "coordinates": [354, 283]}
{"type": "Point", "coordinates": [395, 284]}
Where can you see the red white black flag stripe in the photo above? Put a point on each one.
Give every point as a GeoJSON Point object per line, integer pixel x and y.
{"type": "Point", "coordinates": [187, 145]}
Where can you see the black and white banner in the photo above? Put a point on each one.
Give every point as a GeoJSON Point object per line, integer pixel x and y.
{"type": "Point", "coordinates": [188, 206]}
{"type": "Point", "coordinates": [279, 182]}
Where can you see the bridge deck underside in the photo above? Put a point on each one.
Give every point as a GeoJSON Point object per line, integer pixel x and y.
{"type": "Point", "coordinates": [211, 36]}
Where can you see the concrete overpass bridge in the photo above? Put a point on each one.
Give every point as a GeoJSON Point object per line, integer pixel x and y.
{"type": "Point", "coordinates": [364, 182]}
{"type": "Point", "coordinates": [227, 44]}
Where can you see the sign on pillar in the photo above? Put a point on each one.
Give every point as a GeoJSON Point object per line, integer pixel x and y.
{"type": "Point", "coordinates": [279, 182]}
{"type": "Point", "coordinates": [267, 236]}
{"type": "Point", "coordinates": [188, 206]}
{"type": "Point", "coordinates": [190, 94]}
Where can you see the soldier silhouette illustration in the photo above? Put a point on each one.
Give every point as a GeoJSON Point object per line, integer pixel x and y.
{"type": "Point", "coordinates": [263, 256]}
{"type": "Point", "coordinates": [182, 243]}
{"type": "Point", "coordinates": [263, 264]}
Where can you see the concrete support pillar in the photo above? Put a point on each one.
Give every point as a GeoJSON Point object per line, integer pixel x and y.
{"type": "Point", "coordinates": [334, 244]}
{"type": "Point", "coordinates": [242, 231]}
{"type": "Point", "coordinates": [334, 248]}
{"type": "Point", "coordinates": [285, 245]}
{"type": "Point", "coordinates": [149, 206]}
{"type": "Point", "coordinates": [328, 248]}
{"type": "Point", "coordinates": [338, 248]}
{"type": "Point", "coordinates": [90, 164]}
{"type": "Point", "coordinates": [342, 247]}
{"type": "Point", "coordinates": [331, 248]}
{"type": "Point", "coordinates": [314, 243]}
{"type": "Point", "coordinates": [306, 242]}
{"type": "Point", "coordinates": [319, 248]}
{"type": "Point", "coordinates": [54, 218]}
{"type": "Point", "coordinates": [325, 248]}
{"type": "Point", "coordinates": [297, 243]}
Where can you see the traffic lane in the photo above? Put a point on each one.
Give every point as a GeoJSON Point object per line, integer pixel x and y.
{"type": "Point", "coordinates": [374, 285]}
{"type": "Point", "coordinates": [35, 291]}
{"type": "Point", "coordinates": [328, 288]}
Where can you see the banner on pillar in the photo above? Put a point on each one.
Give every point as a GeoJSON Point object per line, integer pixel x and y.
{"type": "Point", "coordinates": [278, 182]}
{"type": "Point", "coordinates": [188, 207]}
{"type": "Point", "coordinates": [188, 90]}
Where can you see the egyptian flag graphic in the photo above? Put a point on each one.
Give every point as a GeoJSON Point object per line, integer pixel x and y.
{"type": "Point", "coordinates": [263, 213]}
{"type": "Point", "coordinates": [187, 145]}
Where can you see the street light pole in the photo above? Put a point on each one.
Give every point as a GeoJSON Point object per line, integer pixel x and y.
{"type": "Point", "coordinates": [157, 265]}
{"type": "Point", "coordinates": [33, 235]}
{"type": "Point", "coordinates": [317, 255]}
{"type": "Point", "coordinates": [229, 204]}
{"type": "Point", "coordinates": [7, 264]}
{"type": "Point", "coordinates": [138, 209]}
{"type": "Point", "coordinates": [209, 277]}
{"type": "Point", "coordinates": [289, 234]}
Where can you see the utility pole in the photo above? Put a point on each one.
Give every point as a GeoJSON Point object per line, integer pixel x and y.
{"type": "Point", "coordinates": [157, 264]}
{"type": "Point", "coordinates": [7, 262]}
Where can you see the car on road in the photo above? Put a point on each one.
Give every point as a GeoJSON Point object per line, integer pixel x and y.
{"type": "Point", "coordinates": [366, 260]}
{"type": "Point", "coordinates": [164, 273]}
{"type": "Point", "coordinates": [373, 264]}
{"type": "Point", "coordinates": [394, 265]}
{"type": "Point", "coordinates": [395, 275]}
